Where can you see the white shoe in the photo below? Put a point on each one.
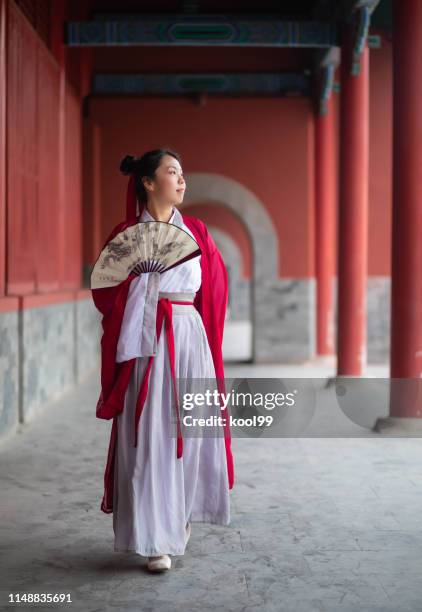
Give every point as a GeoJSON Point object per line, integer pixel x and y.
{"type": "Point", "coordinates": [158, 564]}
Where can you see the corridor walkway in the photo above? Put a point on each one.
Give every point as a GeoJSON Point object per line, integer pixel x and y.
{"type": "Point", "coordinates": [318, 524]}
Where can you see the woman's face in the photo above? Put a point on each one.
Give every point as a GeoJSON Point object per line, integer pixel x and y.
{"type": "Point", "coordinates": [169, 184]}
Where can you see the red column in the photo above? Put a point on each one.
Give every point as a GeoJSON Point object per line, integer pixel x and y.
{"type": "Point", "coordinates": [3, 166]}
{"type": "Point", "coordinates": [406, 277]}
{"type": "Point", "coordinates": [92, 234]}
{"type": "Point", "coordinates": [57, 19]}
{"type": "Point", "coordinates": [86, 69]}
{"type": "Point", "coordinates": [353, 211]}
{"type": "Point", "coordinates": [325, 195]}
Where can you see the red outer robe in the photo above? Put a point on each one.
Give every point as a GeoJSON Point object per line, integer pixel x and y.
{"type": "Point", "coordinates": [211, 303]}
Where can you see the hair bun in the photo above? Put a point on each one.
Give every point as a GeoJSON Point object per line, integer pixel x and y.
{"type": "Point", "coordinates": [127, 165]}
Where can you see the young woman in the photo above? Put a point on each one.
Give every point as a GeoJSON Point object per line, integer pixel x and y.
{"type": "Point", "coordinates": [158, 327]}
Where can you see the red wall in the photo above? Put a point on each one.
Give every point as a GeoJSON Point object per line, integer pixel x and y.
{"type": "Point", "coordinates": [42, 159]}
{"type": "Point", "coordinates": [264, 144]}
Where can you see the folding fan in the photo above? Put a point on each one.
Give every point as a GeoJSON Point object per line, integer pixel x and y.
{"type": "Point", "coordinates": [151, 246]}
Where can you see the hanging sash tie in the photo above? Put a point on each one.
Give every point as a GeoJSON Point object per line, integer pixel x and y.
{"type": "Point", "coordinates": [164, 313]}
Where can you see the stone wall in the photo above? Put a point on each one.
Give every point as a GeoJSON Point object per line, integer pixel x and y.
{"type": "Point", "coordinates": [378, 308]}
{"type": "Point", "coordinates": [44, 351]}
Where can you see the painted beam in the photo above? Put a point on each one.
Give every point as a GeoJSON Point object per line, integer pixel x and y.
{"type": "Point", "coordinates": [201, 30]}
{"type": "Point", "coordinates": [325, 65]}
{"type": "Point", "coordinates": [218, 83]}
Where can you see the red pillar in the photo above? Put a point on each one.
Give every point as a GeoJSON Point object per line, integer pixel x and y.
{"type": "Point", "coordinates": [325, 195]}
{"type": "Point", "coordinates": [406, 276]}
{"type": "Point", "coordinates": [57, 19]}
{"type": "Point", "coordinates": [92, 234]}
{"type": "Point", "coordinates": [86, 68]}
{"type": "Point", "coordinates": [3, 165]}
{"type": "Point", "coordinates": [353, 211]}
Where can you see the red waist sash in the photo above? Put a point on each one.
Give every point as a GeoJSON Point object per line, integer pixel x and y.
{"type": "Point", "coordinates": [164, 312]}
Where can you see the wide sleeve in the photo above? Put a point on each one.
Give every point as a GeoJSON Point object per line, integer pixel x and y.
{"type": "Point", "coordinates": [138, 337]}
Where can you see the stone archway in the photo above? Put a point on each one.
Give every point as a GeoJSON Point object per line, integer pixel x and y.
{"type": "Point", "coordinates": [283, 310]}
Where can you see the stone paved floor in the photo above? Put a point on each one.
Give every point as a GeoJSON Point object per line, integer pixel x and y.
{"type": "Point", "coordinates": [318, 524]}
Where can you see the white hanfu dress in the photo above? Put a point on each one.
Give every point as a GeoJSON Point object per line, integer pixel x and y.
{"type": "Point", "coordinates": [155, 493]}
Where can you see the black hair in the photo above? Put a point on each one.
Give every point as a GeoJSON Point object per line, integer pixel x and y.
{"type": "Point", "coordinates": [146, 165]}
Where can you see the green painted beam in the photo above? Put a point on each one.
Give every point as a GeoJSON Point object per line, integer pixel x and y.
{"type": "Point", "coordinates": [215, 83]}
{"type": "Point", "coordinates": [201, 30]}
